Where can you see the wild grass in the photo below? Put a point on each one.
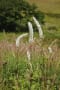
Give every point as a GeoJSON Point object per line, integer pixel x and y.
{"type": "Point", "coordinates": [15, 70]}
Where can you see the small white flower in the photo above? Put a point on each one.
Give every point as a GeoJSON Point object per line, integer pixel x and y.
{"type": "Point", "coordinates": [30, 32]}
{"type": "Point", "coordinates": [39, 27]}
{"type": "Point", "coordinates": [19, 38]}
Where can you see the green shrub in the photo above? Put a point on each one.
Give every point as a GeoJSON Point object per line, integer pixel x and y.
{"type": "Point", "coordinates": [14, 15]}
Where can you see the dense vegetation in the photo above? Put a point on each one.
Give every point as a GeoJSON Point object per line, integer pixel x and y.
{"type": "Point", "coordinates": [14, 15]}
{"type": "Point", "coordinates": [42, 72]}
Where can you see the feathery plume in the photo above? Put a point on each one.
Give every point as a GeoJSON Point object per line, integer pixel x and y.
{"type": "Point", "coordinates": [50, 49]}
{"type": "Point", "coordinates": [29, 58]}
{"type": "Point", "coordinates": [30, 32]}
{"type": "Point", "coordinates": [39, 27]}
{"type": "Point", "coordinates": [19, 38]}
{"type": "Point", "coordinates": [28, 55]}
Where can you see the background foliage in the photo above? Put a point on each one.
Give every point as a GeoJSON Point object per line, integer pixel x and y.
{"type": "Point", "coordinates": [14, 15]}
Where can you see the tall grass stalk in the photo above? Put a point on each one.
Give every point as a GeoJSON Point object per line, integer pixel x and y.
{"type": "Point", "coordinates": [30, 32]}
{"type": "Point", "coordinates": [51, 45]}
{"type": "Point", "coordinates": [19, 38]}
{"type": "Point", "coordinates": [39, 27]}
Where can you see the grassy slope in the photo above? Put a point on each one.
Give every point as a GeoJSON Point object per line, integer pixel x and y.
{"type": "Point", "coordinates": [50, 7]}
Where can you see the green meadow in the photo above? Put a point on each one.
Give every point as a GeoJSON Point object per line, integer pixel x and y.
{"type": "Point", "coordinates": [42, 71]}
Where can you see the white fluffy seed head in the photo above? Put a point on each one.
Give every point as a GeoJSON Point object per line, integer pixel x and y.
{"type": "Point", "coordinates": [39, 27]}
{"type": "Point", "coordinates": [50, 49]}
{"type": "Point", "coordinates": [29, 59]}
{"type": "Point", "coordinates": [30, 32]}
{"type": "Point", "coordinates": [50, 46]}
{"type": "Point", "coordinates": [19, 38]}
{"type": "Point", "coordinates": [28, 55]}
